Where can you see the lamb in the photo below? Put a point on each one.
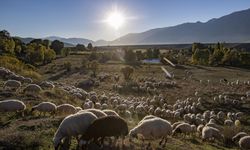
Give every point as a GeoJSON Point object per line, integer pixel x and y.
{"type": "Point", "coordinates": [45, 107]}
{"type": "Point", "coordinates": [238, 136]}
{"type": "Point", "coordinates": [32, 89]}
{"type": "Point", "coordinates": [110, 112]}
{"type": "Point", "coordinates": [152, 129]}
{"type": "Point", "coordinates": [244, 143]}
{"type": "Point", "coordinates": [97, 112]}
{"type": "Point", "coordinates": [210, 132]}
{"type": "Point", "coordinates": [73, 125]}
{"type": "Point", "coordinates": [66, 109]}
{"type": "Point", "coordinates": [12, 105]}
{"type": "Point", "coordinates": [12, 84]}
{"type": "Point", "coordinates": [107, 126]}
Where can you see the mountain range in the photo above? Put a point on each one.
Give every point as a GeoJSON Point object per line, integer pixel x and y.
{"type": "Point", "coordinates": [232, 28]}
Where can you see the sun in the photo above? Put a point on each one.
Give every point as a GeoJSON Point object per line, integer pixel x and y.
{"type": "Point", "coordinates": [116, 20]}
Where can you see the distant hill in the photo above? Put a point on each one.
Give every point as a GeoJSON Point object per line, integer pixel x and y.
{"type": "Point", "coordinates": [234, 28]}
{"type": "Point", "coordinates": [73, 41]}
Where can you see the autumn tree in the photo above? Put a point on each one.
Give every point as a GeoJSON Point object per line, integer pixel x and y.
{"type": "Point", "coordinates": [127, 72]}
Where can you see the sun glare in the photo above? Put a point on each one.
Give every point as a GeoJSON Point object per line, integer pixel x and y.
{"type": "Point", "coordinates": [115, 19]}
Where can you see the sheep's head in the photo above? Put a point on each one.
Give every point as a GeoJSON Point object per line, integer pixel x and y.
{"type": "Point", "coordinates": [132, 133]}
{"type": "Point", "coordinates": [57, 142]}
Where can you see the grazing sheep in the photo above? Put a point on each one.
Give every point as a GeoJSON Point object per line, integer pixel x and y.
{"type": "Point", "coordinates": [238, 136]}
{"type": "Point", "coordinates": [107, 126]}
{"type": "Point", "coordinates": [45, 107]}
{"type": "Point", "coordinates": [12, 84]}
{"type": "Point", "coordinates": [97, 112]}
{"type": "Point", "coordinates": [66, 109]}
{"type": "Point", "coordinates": [209, 132]}
{"type": "Point", "coordinates": [152, 129]}
{"type": "Point", "coordinates": [183, 128]}
{"type": "Point", "coordinates": [174, 125]}
{"type": "Point", "coordinates": [244, 143]}
{"type": "Point", "coordinates": [73, 125]}
{"type": "Point", "coordinates": [32, 89]}
{"type": "Point", "coordinates": [12, 105]}
{"type": "Point", "coordinates": [110, 112]}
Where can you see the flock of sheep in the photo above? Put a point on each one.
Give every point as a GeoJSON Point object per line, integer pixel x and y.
{"type": "Point", "coordinates": [101, 115]}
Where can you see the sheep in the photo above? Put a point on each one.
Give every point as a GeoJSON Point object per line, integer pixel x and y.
{"type": "Point", "coordinates": [152, 129]}
{"type": "Point", "coordinates": [97, 112]}
{"type": "Point", "coordinates": [228, 122]}
{"type": "Point", "coordinates": [12, 84]}
{"type": "Point", "coordinates": [78, 109]}
{"type": "Point", "coordinates": [147, 117]}
{"type": "Point", "coordinates": [183, 128]}
{"type": "Point", "coordinates": [45, 107]}
{"type": "Point", "coordinates": [210, 132]}
{"type": "Point", "coordinates": [66, 109]}
{"type": "Point", "coordinates": [238, 136]}
{"type": "Point", "coordinates": [199, 128]}
{"type": "Point", "coordinates": [214, 126]}
{"type": "Point", "coordinates": [244, 143]}
{"type": "Point", "coordinates": [32, 89]}
{"type": "Point", "coordinates": [12, 105]}
{"type": "Point", "coordinates": [47, 85]}
{"type": "Point", "coordinates": [110, 112]}
{"type": "Point", "coordinates": [73, 125]}
{"type": "Point", "coordinates": [107, 126]}
{"type": "Point", "coordinates": [27, 80]}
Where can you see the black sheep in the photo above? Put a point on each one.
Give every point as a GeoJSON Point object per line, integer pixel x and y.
{"type": "Point", "coordinates": [108, 126]}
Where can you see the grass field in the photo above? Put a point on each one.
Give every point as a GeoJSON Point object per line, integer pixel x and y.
{"type": "Point", "coordinates": [36, 132]}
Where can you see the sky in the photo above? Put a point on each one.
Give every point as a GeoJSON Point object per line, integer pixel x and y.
{"type": "Point", "coordinates": [85, 18]}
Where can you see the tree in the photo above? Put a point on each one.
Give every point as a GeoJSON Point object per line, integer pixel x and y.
{"type": "Point", "coordinates": [129, 56]}
{"type": "Point", "coordinates": [49, 55]}
{"type": "Point", "coordinates": [90, 46]}
{"type": "Point", "coordinates": [156, 53]}
{"type": "Point", "coordinates": [149, 53]}
{"type": "Point", "coordinates": [200, 56]}
{"type": "Point", "coordinates": [127, 72]}
{"type": "Point", "coordinates": [80, 47]}
{"type": "Point", "coordinates": [57, 46]}
{"type": "Point", "coordinates": [139, 55]}
{"type": "Point", "coordinates": [7, 44]}
{"type": "Point", "coordinates": [94, 65]}
{"type": "Point", "coordinates": [65, 51]}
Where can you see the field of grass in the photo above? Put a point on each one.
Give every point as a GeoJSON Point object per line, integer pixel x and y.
{"type": "Point", "coordinates": [36, 132]}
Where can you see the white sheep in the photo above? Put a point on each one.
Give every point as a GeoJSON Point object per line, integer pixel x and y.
{"type": "Point", "coordinates": [228, 122]}
{"type": "Point", "coordinates": [238, 136]}
{"type": "Point", "coordinates": [73, 125]}
{"type": "Point", "coordinates": [78, 109]}
{"type": "Point", "coordinates": [99, 113]}
{"type": "Point", "coordinates": [209, 132]}
{"type": "Point", "coordinates": [244, 143]}
{"type": "Point", "coordinates": [32, 89]}
{"type": "Point", "coordinates": [66, 109]}
{"type": "Point", "coordinates": [183, 128]}
{"type": "Point", "coordinates": [154, 128]}
{"type": "Point", "coordinates": [110, 112]}
{"type": "Point", "coordinates": [12, 84]}
{"type": "Point", "coordinates": [12, 105]}
{"type": "Point", "coordinates": [45, 107]}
